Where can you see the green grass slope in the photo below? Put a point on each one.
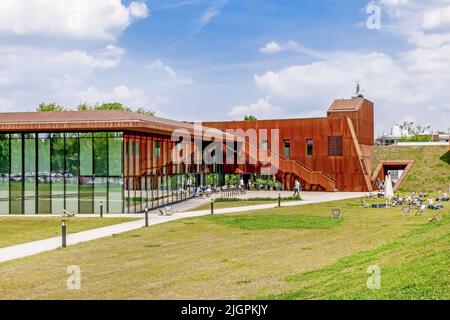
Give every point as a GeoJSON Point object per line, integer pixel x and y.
{"type": "Point", "coordinates": [431, 169]}
{"type": "Point", "coordinates": [413, 267]}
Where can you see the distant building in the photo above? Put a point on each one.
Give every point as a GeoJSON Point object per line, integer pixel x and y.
{"type": "Point", "coordinates": [397, 133]}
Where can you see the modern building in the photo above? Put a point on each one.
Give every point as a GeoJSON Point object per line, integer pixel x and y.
{"type": "Point", "coordinates": [118, 161]}
{"type": "Point", "coordinates": [332, 152]}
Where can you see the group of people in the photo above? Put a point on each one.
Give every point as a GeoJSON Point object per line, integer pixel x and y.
{"type": "Point", "coordinates": [380, 185]}
{"type": "Point", "coordinates": [415, 200]}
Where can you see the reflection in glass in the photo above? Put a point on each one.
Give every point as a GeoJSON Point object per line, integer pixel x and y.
{"type": "Point", "coordinates": [86, 166]}
{"type": "Point", "coordinates": [30, 174]}
{"type": "Point", "coordinates": [44, 179]}
{"type": "Point", "coordinates": [16, 186]}
{"type": "Point", "coordinates": [72, 171]}
{"type": "Point", "coordinates": [115, 195]}
{"type": "Point", "coordinates": [100, 194]}
{"type": "Point", "coordinates": [4, 174]}
{"type": "Point", "coordinates": [86, 195]}
{"type": "Point", "coordinates": [57, 173]}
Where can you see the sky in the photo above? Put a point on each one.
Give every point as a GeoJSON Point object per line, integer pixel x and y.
{"type": "Point", "coordinates": [223, 59]}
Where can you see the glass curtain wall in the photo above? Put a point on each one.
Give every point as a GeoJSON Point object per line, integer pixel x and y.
{"type": "Point", "coordinates": [86, 172]}
{"type": "Point", "coordinates": [50, 172]}
{"type": "Point", "coordinates": [151, 178]}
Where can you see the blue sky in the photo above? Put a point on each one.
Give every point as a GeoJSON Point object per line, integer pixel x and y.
{"type": "Point", "coordinates": [219, 59]}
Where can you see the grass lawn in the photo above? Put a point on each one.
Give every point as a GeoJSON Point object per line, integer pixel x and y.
{"type": "Point", "coordinates": [286, 253]}
{"type": "Point", "coordinates": [233, 203]}
{"type": "Point", "coordinates": [431, 169]}
{"type": "Point", "coordinates": [16, 230]}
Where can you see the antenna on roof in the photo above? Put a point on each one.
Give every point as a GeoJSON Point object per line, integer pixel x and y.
{"type": "Point", "coordinates": [358, 92]}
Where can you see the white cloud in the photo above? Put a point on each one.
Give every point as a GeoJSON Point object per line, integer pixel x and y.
{"type": "Point", "coordinates": [109, 57]}
{"type": "Point", "coordinates": [271, 48]}
{"type": "Point", "coordinates": [138, 10]}
{"type": "Point", "coordinates": [423, 23]}
{"type": "Point", "coordinates": [85, 19]}
{"type": "Point", "coordinates": [167, 72]}
{"type": "Point", "coordinates": [130, 97]}
{"type": "Point", "coordinates": [120, 93]}
{"type": "Point", "coordinates": [274, 47]}
{"type": "Point", "coordinates": [412, 82]}
{"type": "Point", "coordinates": [214, 8]}
{"type": "Point", "coordinates": [41, 66]}
{"type": "Point", "coordinates": [261, 109]}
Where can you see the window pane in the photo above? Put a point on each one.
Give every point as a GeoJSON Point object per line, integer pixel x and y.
{"type": "Point", "coordinates": [101, 156]}
{"type": "Point", "coordinates": [44, 178]}
{"type": "Point", "coordinates": [287, 148]}
{"type": "Point", "coordinates": [4, 194]}
{"type": "Point", "coordinates": [157, 145]}
{"type": "Point", "coordinates": [16, 176]}
{"type": "Point", "coordinates": [335, 146]}
{"type": "Point", "coordinates": [85, 155]}
{"type": "Point", "coordinates": [57, 174]}
{"type": "Point", "coordinates": [72, 194]}
{"type": "Point", "coordinates": [4, 174]}
{"type": "Point", "coordinates": [115, 156]}
{"type": "Point", "coordinates": [100, 190]}
{"type": "Point", "coordinates": [72, 171]}
{"type": "Point", "coordinates": [57, 152]}
{"type": "Point", "coordinates": [86, 195]}
{"type": "Point", "coordinates": [309, 147]}
{"type": "Point", "coordinates": [115, 195]}
{"type": "Point", "coordinates": [30, 175]}
{"type": "Point", "coordinates": [4, 154]}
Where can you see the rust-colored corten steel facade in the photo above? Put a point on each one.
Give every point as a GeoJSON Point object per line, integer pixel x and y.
{"type": "Point", "coordinates": [335, 149]}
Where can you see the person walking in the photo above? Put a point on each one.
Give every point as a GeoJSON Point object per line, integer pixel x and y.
{"type": "Point", "coordinates": [297, 186]}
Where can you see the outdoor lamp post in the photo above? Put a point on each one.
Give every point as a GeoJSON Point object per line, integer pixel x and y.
{"type": "Point", "coordinates": [64, 233]}
{"type": "Point", "coordinates": [101, 209]}
{"type": "Point", "coordinates": [146, 217]}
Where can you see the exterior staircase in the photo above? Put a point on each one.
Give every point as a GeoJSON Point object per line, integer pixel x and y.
{"type": "Point", "coordinates": [289, 170]}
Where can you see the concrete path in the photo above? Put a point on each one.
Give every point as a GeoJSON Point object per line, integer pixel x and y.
{"type": "Point", "coordinates": [35, 247]}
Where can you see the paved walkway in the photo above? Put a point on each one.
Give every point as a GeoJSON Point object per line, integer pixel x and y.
{"type": "Point", "coordinates": [35, 247]}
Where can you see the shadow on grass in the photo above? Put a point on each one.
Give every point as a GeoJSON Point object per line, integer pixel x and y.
{"type": "Point", "coordinates": [446, 157]}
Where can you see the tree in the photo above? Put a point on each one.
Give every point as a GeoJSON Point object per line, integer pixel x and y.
{"type": "Point", "coordinates": [87, 107]}
{"type": "Point", "coordinates": [46, 107]}
{"type": "Point", "coordinates": [145, 111]}
{"type": "Point", "coordinates": [113, 106]}
{"type": "Point", "coordinates": [250, 118]}
{"type": "Point", "coordinates": [84, 107]}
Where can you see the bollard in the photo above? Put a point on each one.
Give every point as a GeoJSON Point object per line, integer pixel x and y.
{"type": "Point", "coordinates": [279, 200]}
{"type": "Point", "coordinates": [101, 209]}
{"type": "Point", "coordinates": [64, 233]}
{"type": "Point", "coordinates": [146, 217]}
{"type": "Point", "coordinates": [212, 206]}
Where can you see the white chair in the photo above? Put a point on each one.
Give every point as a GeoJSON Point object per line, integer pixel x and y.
{"type": "Point", "coordinates": [421, 210]}
{"type": "Point", "coordinates": [336, 214]}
